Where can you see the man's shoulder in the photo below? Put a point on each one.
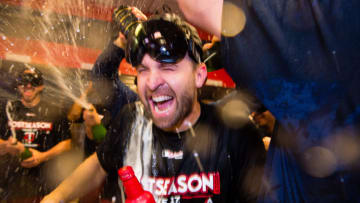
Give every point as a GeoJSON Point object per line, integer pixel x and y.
{"type": "Point", "coordinates": [228, 123]}
{"type": "Point", "coordinates": [51, 110]}
{"type": "Point", "coordinates": [11, 105]}
{"type": "Point", "coordinates": [127, 113]}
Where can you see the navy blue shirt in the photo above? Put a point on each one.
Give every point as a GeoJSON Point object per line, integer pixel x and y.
{"type": "Point", "coordinates": [105, 73]}
{"type": "Point", "coordinates": [301, 59]}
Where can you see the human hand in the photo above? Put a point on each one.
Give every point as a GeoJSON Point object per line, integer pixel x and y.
{"type": "Point", "coordinates": [125, 19]}
{"type": "Point", "coordinates": [91, 117]}
{"type": "Point", "coordinates": [120, 41]}
{"type": "Point", "coordinates": [11, 146]}
{"type": "Point", "coordinates": [76, 109]}
{"type": "Point", "coordinates": [205, 14]}
{"type": "Point", "coordinates": [36, 159]}
{"type": "Point", "coordinates": [139, 14]}
{"type": "Point", "coordinates": [3, 149]}
{"type": "Point", "coordinates": [14, 147]}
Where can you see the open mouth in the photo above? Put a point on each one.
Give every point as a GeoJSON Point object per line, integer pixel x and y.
{"type": "Point", "coordinates": [29, 91]}
{"type": "Point", "coordinates": [161, 104]}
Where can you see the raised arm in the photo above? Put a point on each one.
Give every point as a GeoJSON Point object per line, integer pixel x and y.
{"type": "Point", "coordinates": [205, 14]}
{"type": "Point", "coordinates": [86, 177]}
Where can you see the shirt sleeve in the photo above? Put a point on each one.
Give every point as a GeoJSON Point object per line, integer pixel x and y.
{"type": "Point", "coordinates": [110, 152]}
{"type": "Point", "coordinates": [105, 77]}
{"type": "Point", "coordinates": [108, 62]}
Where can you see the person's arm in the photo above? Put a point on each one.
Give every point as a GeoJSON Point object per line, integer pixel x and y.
{"type": "Point", "coordinates": [108, 62]}
{"type": "Point", "coordinates": [105, 77]}
{"type": "Point", "coordinates": [39, 157]}
{"type": "Point", "coordinates": [205, 14]}
{"type": "Point", "coordinates": [3, 149]}
{"type": "Point", "coordinates": [11, 146]}
{"type": "Point", "coordinates": [86, 177]}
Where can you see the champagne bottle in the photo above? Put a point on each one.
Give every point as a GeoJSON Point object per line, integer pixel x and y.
{"type": "Point", "coordinates": [133, 189]}
{"type": "Point", "coordinates": [99, 132]}
{"type": "Point", "coordinates": [25, 154]}
{"type": "Point", "coordinates": [124, 20]}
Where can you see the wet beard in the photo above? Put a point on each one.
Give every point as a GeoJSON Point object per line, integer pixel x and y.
{"type": "Point", "coordinates": [30, 100]}
{"type": "Point", "coordinates": [184, 108]}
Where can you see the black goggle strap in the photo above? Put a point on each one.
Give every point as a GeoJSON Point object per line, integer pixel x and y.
{"type": "Point", "coordinates": [193, 52]}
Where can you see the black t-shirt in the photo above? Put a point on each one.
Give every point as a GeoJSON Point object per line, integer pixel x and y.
{"type": "Point", "coordinates": [301, 59]}
{"type": "Point", "coordinates": [40, 127]}
{"type": "Point", "coordinates": [218, 164]}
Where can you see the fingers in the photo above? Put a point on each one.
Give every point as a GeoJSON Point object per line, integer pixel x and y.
{"type": "Point", "coordinates": [120, 41]}
{"type": "Point", "coordinates": [30, 162]}
{"type": "Point", "coordinates": [122, 36]}
{"type": "Point", "coordinates": [12, 140]}
{"type": "Point", "coordinates": [36, 159]}
{"type": "Point", "coordinates": [13, 147]}
{"type": "Point", "coordinates": [138, 14]}
{"type": "Point", "coordinates": [3, 149]}
{"type": "Point", "coordinates": [91, 117]}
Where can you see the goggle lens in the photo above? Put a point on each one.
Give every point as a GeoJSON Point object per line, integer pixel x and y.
{"type": "Point", "coordinates": [162, 40]}
{"type": "Point", "coordinates": [28, 78]}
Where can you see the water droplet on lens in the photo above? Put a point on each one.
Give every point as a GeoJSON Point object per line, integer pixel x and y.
{"type": "Point", "coordinates": [233, 20]}
{"type": "Point", "coordinates": [235, 113]}
{"type": "Point", "coordinates": [319, 161]}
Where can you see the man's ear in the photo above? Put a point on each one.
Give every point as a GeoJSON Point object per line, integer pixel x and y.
{"type": "Point", "coordinates": [201, 75]}
{"type": "Point", "coordinates": [41, 87]}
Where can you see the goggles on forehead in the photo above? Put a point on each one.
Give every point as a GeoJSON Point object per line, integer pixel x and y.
{"type": "Point", "coordinates": [34, 79]}
{"type": "Point", "coordinates": [164, 41]}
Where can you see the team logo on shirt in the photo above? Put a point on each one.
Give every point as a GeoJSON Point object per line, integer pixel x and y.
{"type": "Point", "coordinates": [166, 153]}
{"type": "Point", "coordinates": [196, 185]}
{"type": "Point", "coordinates": [31, 130]}
{"type": "Point", "coordinates": [29, 137]}
{"type": "Point", "coordinates": [30, 125]}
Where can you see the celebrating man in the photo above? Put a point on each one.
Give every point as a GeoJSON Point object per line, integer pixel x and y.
{"type": "Point", "coordinates": [180, 149]}
{"type": "Point", "coordinates": [33, 130]}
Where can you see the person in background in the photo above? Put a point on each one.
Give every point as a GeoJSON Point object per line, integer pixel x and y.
{"type": "Point", "coordinates": [300, 58]}
{"type": "Point", "coordinates": [33, 133]}
{"type": "Point", "coordinates": [266, 122]}
{"type": "Point", "coordinates": [104, 76]}
{"type": "Point", "coordinates": [170, 135]}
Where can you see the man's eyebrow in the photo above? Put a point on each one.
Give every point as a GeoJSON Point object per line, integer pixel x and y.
{"type": "Point", "coordinates": [140, 66]}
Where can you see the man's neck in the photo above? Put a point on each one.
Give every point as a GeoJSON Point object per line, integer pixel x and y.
{"type": "Point", "coordinates": [32, 103]}
{"type": "Point", "coordinates": [191, 119]}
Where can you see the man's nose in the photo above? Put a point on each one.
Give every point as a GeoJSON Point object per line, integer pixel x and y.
{"type": "Point", "coordinates": [28, 84]}
{"type": "Point", "coordinates": [154, 80]}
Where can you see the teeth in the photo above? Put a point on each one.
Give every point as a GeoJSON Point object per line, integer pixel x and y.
{"type": "Point", "coordinates": [161, 98]}
{"type": "Point", "coordinates": [161, 111]}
